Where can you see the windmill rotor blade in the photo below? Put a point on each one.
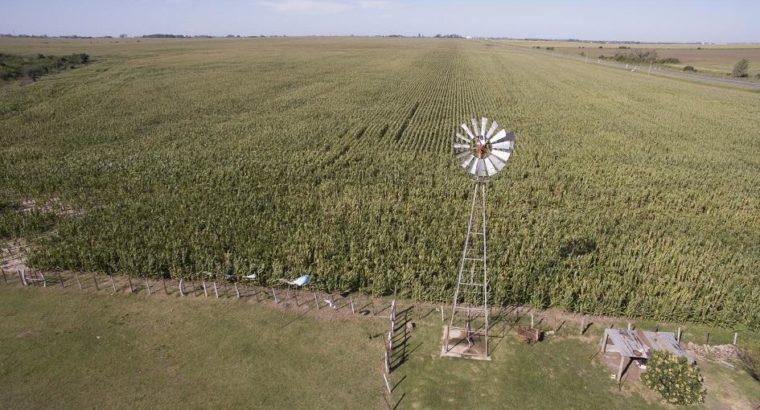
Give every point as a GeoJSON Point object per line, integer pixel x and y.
{"type": "Point", "coordinates": [474, 166]}
{"type": "Point", "coordinates": [460, 156]}
{"type": "Point", "coordinates": [490, 132]}
{"type": "Point", "coordinates": [467, 130]}
{"type": "Point", "coordinates": [475, 127]}
{"type": "Point", "coordinates": [483, 122]}
{"type": "Point", "coordinates": [498, 137]}
{"type": "Point", "coordinates": [463, 138]}
{"type": "Point", "coordinates": [481, 168]}
{"type": "Point", "coordinates": [467, 162]}
{"type": "Point", "coordinates": [508, 136]}
{"type": "Point", "coordinates": [502, 155]}
{"type": "Point", "coordinates": [506, 145]}
{"type": "Point", "coordinates": [462, 146]}
{"type": "Point", "coordinates": [497, 163]}
{"type": "Point", "coordinates": [490, 168]}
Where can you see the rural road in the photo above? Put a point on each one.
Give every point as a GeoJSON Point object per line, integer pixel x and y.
{"type": "Point", "coordinates": [731, 82]}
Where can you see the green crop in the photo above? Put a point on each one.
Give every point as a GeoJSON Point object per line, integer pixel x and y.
{"type": "Point", "coordinates": [627, 194]}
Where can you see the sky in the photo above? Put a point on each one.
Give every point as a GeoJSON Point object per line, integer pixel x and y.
{"type": "Point", "coordinates": [641, 20]}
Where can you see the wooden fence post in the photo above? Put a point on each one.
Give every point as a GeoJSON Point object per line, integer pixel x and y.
{"type": "Point", "coordinates": [113, 285]}
{"type": "Point", "coordinates": [180, 287]}
{"type": "Point", "coordinates": [205, 291]}
{"type": "Point", "coordinates": [351, 300]}
{"type": "Point", "coordinates": [147, 285]}
{"type": "Point", "coordinates": [316, 302]}
{"type": "Point", "coordinates": [216, 290]}
{"type": "Point", "coordinates": [736, 334]}
{"type": "Point", "coordinates": [275, 296]}
{"type": "Point", "coordinates": [237, 292]}
{"type": "Point", "coordinates": [678, 335]}
{"type": "Point", "coordinates": [131, 288]}
{"type": "Point", "coordinates": [60, 279]}
{"type": "Point", "coordinates": [79, 284]}
{"type": "Point", "coordinates": [95, 280]}
{"type": "Point", "coordinates": [531, 320]}
{"type": "Point", "coordinates": [163, 281]}
{"type": "Point", "coordinates": [5, 279]}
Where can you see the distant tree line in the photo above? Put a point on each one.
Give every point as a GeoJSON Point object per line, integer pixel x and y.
{"type": "Point", "coordinates": [641, 57]}
{"type": "Point", "coordinates": [17, 67]}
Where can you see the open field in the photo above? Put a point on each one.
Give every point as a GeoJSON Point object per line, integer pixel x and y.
{"type": "Point", "coordinates": [716, 59]}
{"type": "Point", "coordinates": [85, 351]}
{"type": "Point", "coordinates": [134, 351]}
{"type": "Point", "coordinates": [628, 194]}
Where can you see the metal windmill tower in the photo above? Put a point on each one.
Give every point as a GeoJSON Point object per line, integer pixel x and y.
{"type": "Point", "coordinates": [482, 152]}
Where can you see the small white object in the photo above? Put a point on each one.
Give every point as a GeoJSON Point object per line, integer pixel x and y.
{"type": "Point", "coordinates": [330, 303]}
{"type": "Point", "coordinates": [300, 281]}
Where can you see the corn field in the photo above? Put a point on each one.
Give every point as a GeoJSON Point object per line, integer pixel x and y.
{"type": "Point", "coordinates": [627, 194]}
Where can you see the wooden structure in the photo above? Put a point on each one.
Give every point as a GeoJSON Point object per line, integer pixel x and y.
{"type": "Point", "coordinates": [528, 335]}
{"type": "Point", "coordinates": [637, 344]}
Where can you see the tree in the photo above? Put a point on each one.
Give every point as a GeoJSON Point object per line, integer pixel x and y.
{"type": "Point", "coordinates": [741, 68]}
{"type": "Point", "coordinates": [677, 380]}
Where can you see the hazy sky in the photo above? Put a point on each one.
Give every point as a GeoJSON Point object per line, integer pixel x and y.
{"type": "Point", "coordinates": [643, 20]}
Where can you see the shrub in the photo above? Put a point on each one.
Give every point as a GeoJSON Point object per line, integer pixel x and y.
{"type": "Point", "coordinates": [740, 68]}
{"type": "Point", "coordinates": [674, 378]}
{"type": "Point", "coordinates": [550, 48]}
{"type": "Point", "coordinates": [689, 68]}
{"type": "Point", "coordinates": [668, 60]}
{"type": "Point", "coordinates": [32, 71]}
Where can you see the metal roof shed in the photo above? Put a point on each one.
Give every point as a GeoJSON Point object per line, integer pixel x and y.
{"type": "Point", "coordinates": [637, 344]}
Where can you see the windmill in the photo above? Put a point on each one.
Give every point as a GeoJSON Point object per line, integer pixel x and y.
{"type": "Point", "coordinates": [482, 152]}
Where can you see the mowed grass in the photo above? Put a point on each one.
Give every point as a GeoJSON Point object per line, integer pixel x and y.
{"type": "Point", "coordinates": [554, 374]}
{"type": "Point", "coordinates": [63, 349]}
{"type": "Point", "coordinates": [628, 195]}
{"type": "Point", "coordinates": [66, 349]}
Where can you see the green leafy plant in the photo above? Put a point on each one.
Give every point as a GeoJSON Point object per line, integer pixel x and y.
{"type": "Point", "coordinates": [740, 68]}
{"type": "Point", "coordinates": [677, 380]}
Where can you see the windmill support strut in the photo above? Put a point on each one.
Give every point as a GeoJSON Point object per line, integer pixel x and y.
{"type": "Point", "coordinates": [471, 294]}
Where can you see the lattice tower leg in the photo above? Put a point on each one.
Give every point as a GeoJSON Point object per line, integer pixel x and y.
{"type": "Point", "coordinates": [470, 313]}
